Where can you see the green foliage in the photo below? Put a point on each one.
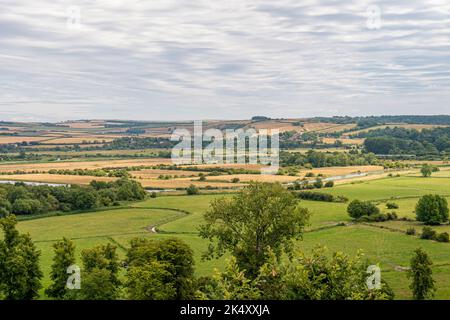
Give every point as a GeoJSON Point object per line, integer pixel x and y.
{"type": "Point", "coordinates": [100, 273]}
{"type": "Point", "coordinates": [428, 234]}
{"type": "Point", "coordinates": [317, 159]}
{"type": "Point", "coordinates": [64, 256]}
{"type": "Point", "coordinates": [318, 183]}
{"type": "Point", "coordinates": [442, 237]}
{"type": "Point", "coordinates": [192, 190]}
{"type": "Point", "coordinates": [329, 184]}
{"type": "Point", "coordinates": [421, 275]}
{"type": "Point", "coordinates": [319, 196]}
{"type": "Point", "coordinates": [315, 277]}
{"type": "Point", "coordinates": [174, 268]}
{"type": "Point", "coordinates": [260, 217]}
{"type": "Point", "coordinates": [392, 205]}
{"type": "Point", "coordinates": [20, 274]}
{"type": "Point", "coordinates": [426, 170]}
{"type": "Point", "coordinates": [97, 285]}
{"type": "Point", "coordinates": [411, 231]}
{"type": "Point", "coordinates": [378, 217]}
{"type": "Point", "coordinates": [407, 141]}
{"type": "Point", "coordinates": [356, 209]}
{"type": "Point", "coordinates": [432, 209]}
{"type": "Point", "coordinates": [150, 281]}
{"type": "Point", "coordinates": [21, 199]}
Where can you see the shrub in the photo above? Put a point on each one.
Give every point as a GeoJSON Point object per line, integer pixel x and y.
{"type": "Point", "coordinates": [392, 216]}
{"type": "Point", "coordinates": [392, 205]}
{"type": "Point", "coordinates": [378, 217]}
{"type": "Point", "coordinates": [318, 183]}
{"type": "Point", "coordinates": [310, 175]}
{"type": "Point", "coordinates": [442, 237]}
{"type": "Point", "coordinates": [235, 180]}
{"type": "Point", "coordinates": [329, 184]}
{"type": "Point", "coordinates": [316, 196]}
{"type": "Point", "coordinates": [357, 209]}
{"type": "Point", "coordinates": [432, 209]}
{"type": "Point", "coordinates": [153, 195]}
{"type": "Point", "coordinates": [192, 190]}
{"type": "Point", "coordinates": [341, 199]}
{"type": "Point", "coordinates": [411, 231]}
{"type": "Point", "coordinates": [428, 234]}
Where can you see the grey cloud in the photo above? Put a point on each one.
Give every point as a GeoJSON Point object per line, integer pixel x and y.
{"type": "Point", "coordinates": [173, 59]}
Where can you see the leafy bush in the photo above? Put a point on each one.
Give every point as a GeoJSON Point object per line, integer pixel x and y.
{"type": "Point", "coordinates": [320, 196]}
{"type": "Point", "coordinates": [442, 237]}
{"type": "Point", "coordinates": [329, 184]}
{"type": "Point", "coordinates": [432, 209]}
{"type": "Point", "coordinates": [192, 190]}
{"type": "Point", "coordinates": [392, 205]}
{"type": "Point", "coordinates": [358, 208]}
{"type": "Point", "coordinates": [378, 217]}
{"type": "Point", "coordinates": [392, 216]}
{"type": "Point", "coordinates": [428, 233]}
{"type": "Point", "coordinates": [411, 231]}
{"type": "Point", "coordinates": [318, 183]}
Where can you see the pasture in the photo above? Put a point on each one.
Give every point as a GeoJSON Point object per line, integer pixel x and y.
{"type": "Point", "coordinates": [329, 226]}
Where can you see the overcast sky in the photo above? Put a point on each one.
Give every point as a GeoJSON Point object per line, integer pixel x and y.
{"type": "Point", "coordinates": [203, 59]}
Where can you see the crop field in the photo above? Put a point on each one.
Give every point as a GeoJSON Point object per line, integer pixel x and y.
{"type": "Point", "coordinates": [77, 140]}
{"type": "Point", "coordinates": [20, 139]}
{"type": "Point", "coordinates": [345, 141]}
{"type": "Point", "coordinates": [29, 167]}
{"type": "Point", "coordinates": [330, 226]}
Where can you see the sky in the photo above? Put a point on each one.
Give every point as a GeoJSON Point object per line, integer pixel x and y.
{"type": "Point", "coordinates": [209, 59]}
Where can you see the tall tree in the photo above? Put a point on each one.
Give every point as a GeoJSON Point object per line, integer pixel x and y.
{"type": "Point", "coordinates": [422, 284]}
{"type": "Point", "coordinates": [100, 273]}
{"type": "Point", "coordinates": [171, 255]}
{"type": "Point", "coordinates": [261, 217]}
{"type": "Point", "coordinates": [432, 209]}
{"type": "Point", "coordinates": [426, 170]}
{"type": "Point", "coordinates": [20, 274]}
{"type": "Point", "coordinates": [64, 257]}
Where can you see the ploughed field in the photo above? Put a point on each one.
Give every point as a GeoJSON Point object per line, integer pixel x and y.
{"type": "Point", "coordinates": [179, 216]}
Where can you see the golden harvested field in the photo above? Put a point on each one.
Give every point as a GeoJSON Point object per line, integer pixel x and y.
{"type": "Point", "coordinates": [335, 128]}
{"type": "Point", "coordinates": [179, 183]}
{"type": "Point", "coordinates": [305, 150]}
{"type": "Point", "coordinates": [51, 146]}
{"type": "Point", "coordinates": [19, 139]}
{"type": "Point", "coordinates": [254, 177]}
{"type": "Point", "coordinates": [345, 141]}
{"type": "Point", "coordinates": [77, 140]}
{"type": "Point", "coordinates": [83, 165]}
{"type": "Point", "coordinates": [149, 178]}
{"type": "Point", "coordinates": [85, 124]}
{"type": "Point", "coordinates": [146, 183]}
{"type": "Point", "coordinates": [339, 171]}
{"type": "Point", "coordinates": [153, 174]}
{"type": "Point", "coordinates": [94, 152]}
{"type": "Point", "coordinates": [288, 125]}
{"type": "Point", "coordinates": [229, 166]}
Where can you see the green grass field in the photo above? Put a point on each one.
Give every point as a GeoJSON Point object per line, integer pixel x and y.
{"type": "Point", "coordinates": [390, 249]}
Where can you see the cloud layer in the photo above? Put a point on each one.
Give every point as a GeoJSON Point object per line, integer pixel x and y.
{"type": "Point", "coordinates": [173, 59]}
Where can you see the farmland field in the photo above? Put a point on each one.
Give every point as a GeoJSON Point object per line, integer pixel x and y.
{"type": "Point", "coordinates": [329, 226]}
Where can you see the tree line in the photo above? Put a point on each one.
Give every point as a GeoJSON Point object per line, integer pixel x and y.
{"type": "Point", "coordinates": [22, 199]}
{"type": "Point", "coordinates": [407, 141]}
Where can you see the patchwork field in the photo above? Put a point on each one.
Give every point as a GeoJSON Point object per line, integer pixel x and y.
{"type": "Point", "coordinates": [29, 167]}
